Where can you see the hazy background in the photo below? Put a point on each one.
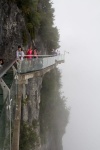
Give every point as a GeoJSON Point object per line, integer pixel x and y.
{"type": "Point", "coordinates": [79, 25]}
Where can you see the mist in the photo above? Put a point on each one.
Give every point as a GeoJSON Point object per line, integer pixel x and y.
{"type": "Point", "coordinates": [79, 26]}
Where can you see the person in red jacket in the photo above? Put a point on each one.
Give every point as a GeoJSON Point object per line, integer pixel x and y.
{"type": "Point", "coordinates": [29, 53]}
{"type": "Point", "coordinates": [29, 57]}
{"type": "Point", "coordinates": [35, 53]}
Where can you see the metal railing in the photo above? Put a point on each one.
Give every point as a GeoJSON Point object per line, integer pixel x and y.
{"type": "Point", "coordinates": [8, 100]}
{"type": "Point", "coordinates": [31, 64]}
{"type": "Point", "coordinates": [7, 118]}
{"type": "Point", "coordinates": [6, 67]}
{"type": "Point", "coordinates": [34, 64]}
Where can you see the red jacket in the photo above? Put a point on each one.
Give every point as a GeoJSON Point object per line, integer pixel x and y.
{"type": "Point", "coordinates": [29, 52]}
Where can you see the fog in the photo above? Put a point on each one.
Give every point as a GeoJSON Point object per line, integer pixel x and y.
{"type": "Point", "coordinates": [78, 22]}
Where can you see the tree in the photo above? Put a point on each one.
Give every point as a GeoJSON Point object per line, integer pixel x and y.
{"type": "Point", "coordinates": [54, 113]}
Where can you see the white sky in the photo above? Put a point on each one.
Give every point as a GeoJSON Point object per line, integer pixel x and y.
{"type": "Point", "coordinates": [79, 25]}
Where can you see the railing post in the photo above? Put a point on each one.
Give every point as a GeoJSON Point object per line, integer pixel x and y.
{"type": "Point", "coordinates": [14, 70]}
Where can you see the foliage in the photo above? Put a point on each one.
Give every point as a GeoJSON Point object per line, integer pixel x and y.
{"type": "Point", "coordinates": [39, 17]}
{"type": "Point", "coordinates": [30, 12]}
{"type": "Point", "coordinates": [24, 37]}
{"type": "Point", "coordinates": [53, 111]}
{"type": "Point", "coordinates": [12, 0]}
{"type": "Point", "coordinates": [35, 123]}
{"type": "Point", "coordinates": [48, 32]}
{"type": "Point", "coordinates": [28, 137]}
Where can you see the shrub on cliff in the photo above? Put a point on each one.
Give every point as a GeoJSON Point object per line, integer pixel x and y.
{"type": "Point", "coordinates": [28, 137]}
{"type": "Point", "coordinates": [53, 110]}
{"type": "Point", "coordinates": [39, 18]}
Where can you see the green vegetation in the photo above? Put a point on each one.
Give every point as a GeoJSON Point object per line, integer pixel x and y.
{"type": "Point", "coordinates": [47, 31]}
{"type": "Point", "coordinates": [39, 18]}
{"type": "Point", "coordinates": [24, 37]}
{"type": "Point", "coordinates": [53, 111]}
{"type": "Point", "coordinates": [28, 136]}
{"type": "Point", "coordinates": [31, 15]}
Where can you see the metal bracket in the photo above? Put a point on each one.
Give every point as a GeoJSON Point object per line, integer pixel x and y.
{"type": "Point", "coordinates": [14, 70]}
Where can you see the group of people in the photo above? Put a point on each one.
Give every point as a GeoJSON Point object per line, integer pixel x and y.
{"type": "Point", "coordinates": [29, 54]}
{"type": "Point", "coordinates": [55, 52]}
{"type": "Point", "coordinates": [20, 55]}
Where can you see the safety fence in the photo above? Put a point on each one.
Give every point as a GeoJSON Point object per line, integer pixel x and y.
{"type": "Point", "coordinates": [34, 64]}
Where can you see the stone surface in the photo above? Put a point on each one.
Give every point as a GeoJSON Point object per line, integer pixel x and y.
{"type": "Point", "coordinates": [30, 106]}
{"type": "Point", "coordinates": [12, 24]}
{"type": "Point", "coordinates": [33, 94]}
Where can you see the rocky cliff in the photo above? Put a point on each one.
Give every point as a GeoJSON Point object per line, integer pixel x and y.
{"type": "Point", "coordinates": [39, 131]}
{"type": "Point", "coordinates": [13, 31]}
{"type": "Point", "coordinates": [12, 25]}
{"type": "Point", "coordinates": [30, 126]}
{"type": "Point", "coordinates": [44, 113]}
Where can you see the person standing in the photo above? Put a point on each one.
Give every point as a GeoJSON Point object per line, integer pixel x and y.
{"type": "Point", "coordinates": [35, 53]}
{"type": "Point", "coordinates": [19, 53]}
{"type": "Point", "coordinates": [29, 53]}
{"type": "Point", "coordinates": [29, 56]}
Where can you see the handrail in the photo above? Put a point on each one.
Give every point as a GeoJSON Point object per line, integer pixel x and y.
{"type": "Point", "coordinates": [44, 55]}
{"type": "Point", "coordinates": [35, 64]}
{"type": "Point", "coordinates": [39, 55]}
{"type": "Point", "coordinates": [6, 67]}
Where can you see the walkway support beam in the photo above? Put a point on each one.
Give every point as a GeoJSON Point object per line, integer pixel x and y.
{"type": "Point", "coordinates": [5, 89]}
{"type": "Point", "coordinates": [16, 129]}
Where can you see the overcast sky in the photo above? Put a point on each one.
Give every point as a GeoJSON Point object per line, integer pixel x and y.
{"type": "Point", "coordinates": [79, 26]}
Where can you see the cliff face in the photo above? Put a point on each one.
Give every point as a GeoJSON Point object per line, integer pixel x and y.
{"type": "Point", "coordinates": [32, 100]}
{"type": "Point", "coordinates": [13, 31]}
{"type": "Point", "coordinates": [39, 128]}
{"type": "Point", "coordinates": [52, 142]}
{"type": "Point", "coordinates": [30, 127]}
{"type": "Point", "coordinates": [53, 112]}
{"type": "Point", "coordinates": [12, 25]}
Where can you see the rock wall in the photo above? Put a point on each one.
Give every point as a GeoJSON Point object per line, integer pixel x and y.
{"type": "Point", "coordinates": [13, 30]}
{"type": "Point", "coordinates": [31, 106]}
{"type": "Point", "coordinates": [30, 113]}
{"type": "Point", "coordinates": [31, 120]}
{"type": "Point", "coordinates": [12, 25]}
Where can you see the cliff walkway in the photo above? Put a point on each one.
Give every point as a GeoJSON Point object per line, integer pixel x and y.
{"type": "Point", "coordinates": [13, 77]}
